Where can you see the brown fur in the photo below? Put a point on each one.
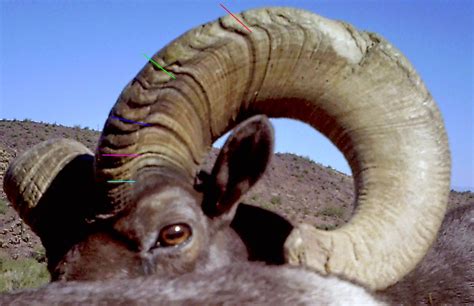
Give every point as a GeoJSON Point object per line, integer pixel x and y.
{"type": "Point", "coordinates": [446, 273]}
{"type": "Point", "coordinates": [240, 283]}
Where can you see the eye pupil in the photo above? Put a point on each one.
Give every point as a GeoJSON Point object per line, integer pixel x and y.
{"type": "Point", "coordinates": [174, 234]}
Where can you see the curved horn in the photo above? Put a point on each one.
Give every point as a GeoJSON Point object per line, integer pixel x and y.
{"type": "Point", "coordinates": [352, 86]}
{"type": "Point", "coordinates": [51, 186]}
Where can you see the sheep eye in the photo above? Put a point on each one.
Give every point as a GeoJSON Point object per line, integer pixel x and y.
{"type": "Point", "coordinates": [174, 234]}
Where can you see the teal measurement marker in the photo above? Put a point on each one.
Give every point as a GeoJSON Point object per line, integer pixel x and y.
{"type": "Point", "coordinates": [157, 65]}
{"type": "Point", "coordinates": [121, 181]}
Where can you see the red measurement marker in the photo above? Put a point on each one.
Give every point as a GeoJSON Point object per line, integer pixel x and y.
{"type": "Point", "coordinates": [235, 18]}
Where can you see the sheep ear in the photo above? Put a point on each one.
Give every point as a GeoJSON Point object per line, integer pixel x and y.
{"type": "Point", "coordinates": [241, 162]}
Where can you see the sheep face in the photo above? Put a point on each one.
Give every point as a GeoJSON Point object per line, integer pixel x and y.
{"type": "Point", "coordinates": [173, 228]}
{"type": "Point", "coordinates": [151, 237]}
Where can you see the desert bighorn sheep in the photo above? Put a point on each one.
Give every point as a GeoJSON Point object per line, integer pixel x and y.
{"type": "Point", "coordinates": [352, 86]}
{"type": "Point", "coordinates": [443, 276]}
{"type": "Point", "coordinates": [167, 234]}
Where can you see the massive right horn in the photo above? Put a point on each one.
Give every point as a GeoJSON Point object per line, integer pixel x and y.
{"type": "Point", "coordinates": [354, 87]}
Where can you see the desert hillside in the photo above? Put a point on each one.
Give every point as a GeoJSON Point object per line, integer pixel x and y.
{"type": "Point", "coordinates": [296, 187]}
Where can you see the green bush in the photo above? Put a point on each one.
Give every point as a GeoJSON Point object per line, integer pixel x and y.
{"type": "Point", "coordinates": [332, 211]}
{"type": "Point", "coordinates": [39, 254]}
{"type": "Point", "coordinates": [326, 227]}
{"type": "Point", "coordinates": [22, 273]}
{"type": "Point", "coordinates": [254, 198]}
{"type": "Point", "coordinates": [3, 207]}
{"type": "Point", "coordinates": [275, 200]}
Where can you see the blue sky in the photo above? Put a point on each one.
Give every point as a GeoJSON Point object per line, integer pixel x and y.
{"type": "Point", "coordinates": [67, 61]}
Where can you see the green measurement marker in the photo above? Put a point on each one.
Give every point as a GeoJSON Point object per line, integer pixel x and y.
{"type": "Point", "coordinates": [157, 65]}
{"type": "Point", "coordinates": [121, 181]}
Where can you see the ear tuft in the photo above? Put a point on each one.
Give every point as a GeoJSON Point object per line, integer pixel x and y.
{"type": "Point", "coordinates": [241, 162]}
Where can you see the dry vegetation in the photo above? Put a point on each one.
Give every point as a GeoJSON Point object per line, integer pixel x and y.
{"type": "Point", "coordinates": [293, 186]}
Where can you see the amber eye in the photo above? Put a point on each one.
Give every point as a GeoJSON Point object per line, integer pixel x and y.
{"type": "Point", "coordinates": [174, 234]}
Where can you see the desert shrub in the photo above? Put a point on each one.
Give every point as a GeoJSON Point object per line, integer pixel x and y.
{"type": "Point", "coordinates": [307, 158]}
{"type": "Point", "coordinates": [3, 207]}
{"type": "Point", "coordinates": [332, 211]}
{"type": "Point", "coordinates": [39, 254]}
{"type": "Point", "coordinates": [21, 273]}
{"type": "Point", "coordinates": [326, 227]}
{"type": "Point", "coordinates": [254, 197]}
{"type": "Point", "coordinates": [275, 200]}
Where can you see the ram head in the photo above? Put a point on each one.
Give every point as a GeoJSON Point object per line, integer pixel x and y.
{"type": "Point", "coordinates": [354, 87]}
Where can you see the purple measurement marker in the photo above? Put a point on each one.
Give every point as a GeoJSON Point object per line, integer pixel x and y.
{"type": "Point", "coordinates": [132, 155]}
{"type": "Point", "coordinates": [130, 121]}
